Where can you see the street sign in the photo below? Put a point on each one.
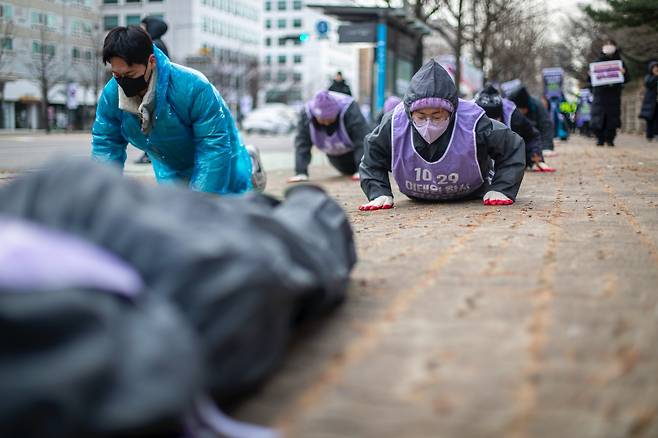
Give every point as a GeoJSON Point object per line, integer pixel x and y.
{"type": "Point", "coordinates": [606, 73]}
{"type": "Point", "coordinates": [322, 27]}
{"type": "Point", "coordinates": [357, 33]}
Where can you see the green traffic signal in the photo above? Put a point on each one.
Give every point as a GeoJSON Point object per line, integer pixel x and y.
{"type": "Point", "coordinates": [303, 37]}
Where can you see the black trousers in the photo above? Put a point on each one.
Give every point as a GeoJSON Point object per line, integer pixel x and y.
{"type": "Point", "coordinates": [652, 125]}
{"type": "Point", "coordinates": [347, 164]}
{"type": "Point", "coordinates": [606, 134]}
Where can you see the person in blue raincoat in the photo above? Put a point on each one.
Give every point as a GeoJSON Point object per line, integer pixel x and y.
{"type": "Point", "coordinates": [172, 113]}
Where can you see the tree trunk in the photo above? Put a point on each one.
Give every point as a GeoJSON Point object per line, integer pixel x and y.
{"type": "Point", "coordinates": [44, 106]}
{"type": "Point", "coordinates": [458, 48]}
{"type": "Point", "coordinates": [2, 104]}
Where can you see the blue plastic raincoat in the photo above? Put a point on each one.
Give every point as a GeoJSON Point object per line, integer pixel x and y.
{"type": "Point", "coordinates": [193, 136]}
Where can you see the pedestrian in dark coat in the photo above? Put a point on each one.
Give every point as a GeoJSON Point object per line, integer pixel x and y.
{"type": "Point", "coordinates": [649, 111]}
{"type": "Point", "coordinates": [606, 107]}
{"type": "Point", "coordinates": [156, 28]}
{"type": "Point", "coordinates": [339, 85]}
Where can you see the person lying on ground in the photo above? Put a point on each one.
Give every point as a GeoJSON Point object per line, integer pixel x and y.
{"type": "Point", "coordinates": [504, 110]}
{"type": "Point", "coordinates": [334, 124]}
{"type": "Point", "coordinates": [440, 148]}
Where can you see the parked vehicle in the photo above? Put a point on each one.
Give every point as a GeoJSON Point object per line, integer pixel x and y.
{"type": "Point", "coordinates": [272, 118]}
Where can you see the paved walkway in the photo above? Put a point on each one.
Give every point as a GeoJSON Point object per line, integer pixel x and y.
{"type": "Point", "coordinates": [535, 320]}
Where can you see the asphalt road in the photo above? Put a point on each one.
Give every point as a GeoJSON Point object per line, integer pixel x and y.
{"type": "Point", "coordinates": [24, 152]}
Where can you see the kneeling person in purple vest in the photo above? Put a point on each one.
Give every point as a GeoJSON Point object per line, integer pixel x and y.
{"type": "Point", "coordinates": [334, 124]}
{"type": "Point", "coordinates": [440, 148]}
{"type": "Point", "coordinates": [505, 111]}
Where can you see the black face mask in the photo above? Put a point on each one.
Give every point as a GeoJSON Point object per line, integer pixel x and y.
{"type": "Point", "coordinates": [132, 86]}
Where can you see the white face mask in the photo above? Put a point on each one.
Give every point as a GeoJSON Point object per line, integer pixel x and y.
{"type": "Point", "coordinates": [431, 130]}
{"type": "Point", "coordinates": [609, 49]}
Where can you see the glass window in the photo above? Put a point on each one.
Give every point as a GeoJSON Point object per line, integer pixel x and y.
{"type": "Point", "coordinates": [281, 76]}
{"type": "Point", "coordinates": [268, 60]}
{"type": "Point", "coordinates": [110, 2]}
{"type": "Point", "coordinates": [282, 41]}
{"type": "Point", "coordinates": [297, 5]}
{"type": "Point", "coordinates": [268, 76]}
{"type": "Point", "coordinates": [110, 22]}
{"type": "Point", "coordinates": [7, 44]}
{"type": "Point", "coordinates": [297, 59]}
{"type": "Point", "coordinates": [6, 11]}
{"type": "Point", "coordinates": [281, 5]}
{"type": "Point", "coordinates": [268, 24]}
{"type": "Point", "coordinates": [268, 41]}
{"type": "Point", "coordinates": [281, 23]}
{"type": "Point", "coordinates": [88, 55]}
{"type": "Point", "coordinates": [133, 1]}
{"type": "Point", "coordinates": [155, 1]}
{"type": "Point", "coordinates": [76, 53]}
{"type": "Point", "coordinates": [282, 59]}
{"type": "Point", "coordinates": [134, 20]}
{"type": "Point", "coordinates": [297, 76]}
{"type": "Point", "coordinates": [297, 22]}
{"type": "Point", "coordinates": [268, 6]}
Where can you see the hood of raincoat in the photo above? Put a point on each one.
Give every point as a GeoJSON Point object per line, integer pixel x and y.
{"type": "Point", "coordinates": [490, 101]}
{"type": "Point", "coordinates": [520, 97]}
{"type": "Point", "coordinates": [430, 85]}
{"type": "Point", "coordinates": [155, 27]}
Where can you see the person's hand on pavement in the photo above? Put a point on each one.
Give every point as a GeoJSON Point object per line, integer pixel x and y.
{"type": "Point", "coordinates": [356, 177]}
{"type": "Point", "coordinates": [493, 197]}
{"type": "Point", "coordinates": [381, 202]}
{"type": "Point", "coordinates": [298, 178]}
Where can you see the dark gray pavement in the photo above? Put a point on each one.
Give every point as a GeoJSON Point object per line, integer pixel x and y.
{"type": "Point", "coordinates": [534, 320]}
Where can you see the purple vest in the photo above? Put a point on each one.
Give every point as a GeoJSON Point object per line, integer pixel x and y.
{"type": "Point", "coordinates": [508, 109]}
{"type": "Point", "coordinates": [456, 174]}
{"type": "Point", "coordinates": [339, 143]}
{"type": "Point", "coordinates": [34, 258]}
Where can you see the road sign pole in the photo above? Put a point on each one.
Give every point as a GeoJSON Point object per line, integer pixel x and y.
{"type": "Point", "coordinates": [381, 66]}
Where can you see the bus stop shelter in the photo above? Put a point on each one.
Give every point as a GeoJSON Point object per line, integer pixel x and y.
{"type": "Point", "coordinates": [397, 39]}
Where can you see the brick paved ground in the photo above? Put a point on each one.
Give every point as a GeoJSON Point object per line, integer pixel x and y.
{"type": "Point", "coordinates": [535, 320]}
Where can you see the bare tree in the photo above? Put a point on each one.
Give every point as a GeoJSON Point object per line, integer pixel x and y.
{"type": "Point", "coordinates": [92, 71]}
{"type": "Point", "coordinates": [448, 19]}
{"type": "Point", "coordinates": [518, 44]}
{"type": "Point", "coordinates": [6, 32]}
{"type": "Point", "coordinates": [46, 68]}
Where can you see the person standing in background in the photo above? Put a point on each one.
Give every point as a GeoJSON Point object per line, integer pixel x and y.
{"type": "Point", "coordinates": [156, 28]}
{"type": "Point", "coordinates": [606, 107]}
{"type": "Point", "coordinates": [649, 111]}
{"type": "Point", "coordinates": [339, 85]}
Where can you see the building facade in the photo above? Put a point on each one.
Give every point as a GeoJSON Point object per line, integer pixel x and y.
{"type": "Point", "coordinates": [300, 53]}
{"type": "Point", "coordinates": [220, 38]}
{"type": "Point", "coordinates": [48, 47]}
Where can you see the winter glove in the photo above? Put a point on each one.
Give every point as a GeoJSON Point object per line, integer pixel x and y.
{"type": "Point", "coordinates": [298, 178]}
{"type": "Point", "coordinates": [542, 167]}
{"type": "Point", "coordinates": [381, 202]}
{"type": "Point", "coordinates": [496, 198]}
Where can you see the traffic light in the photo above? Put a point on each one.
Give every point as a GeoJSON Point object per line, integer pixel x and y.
{"type": "Point", "coordinates": [303, 37]}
